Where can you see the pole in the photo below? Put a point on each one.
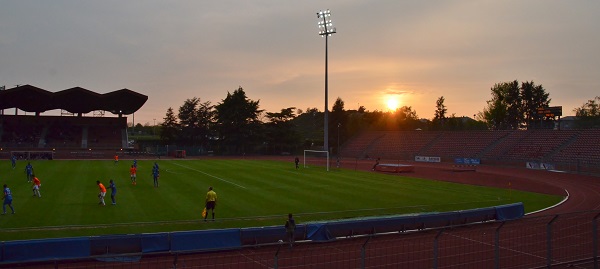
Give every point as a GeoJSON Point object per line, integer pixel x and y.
{"type": "Point", "coordinates": [326, 30]}
{"type": "Point", "coordinates": [2, 89]}
{"type": "Point", "coordinates": [549, 242]}
{"type": "Point", "coordinates": [337, 160]}
{"type": "Point", "coordinates": [338, 140]}
{"type": "Point", "coordinates": [326, 127]}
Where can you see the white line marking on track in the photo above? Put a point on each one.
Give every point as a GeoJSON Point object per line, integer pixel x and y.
{"type": "Point", "coordinates": [550, 207]}
{"type": "Point", "coordinates": [210, 175]}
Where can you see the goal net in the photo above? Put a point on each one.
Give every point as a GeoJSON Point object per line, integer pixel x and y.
{"type": "Point", "coordinates": [316, 158]}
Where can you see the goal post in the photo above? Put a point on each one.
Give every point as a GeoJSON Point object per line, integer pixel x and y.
{"type": "Point", "coordinates": [316, 157]}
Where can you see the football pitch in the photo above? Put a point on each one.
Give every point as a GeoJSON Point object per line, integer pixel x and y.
{"type": "Point", "coordinates": [251, 193]}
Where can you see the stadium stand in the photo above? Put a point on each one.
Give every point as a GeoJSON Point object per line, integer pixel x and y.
{"type": "Point", "coordinates": [499, 146]}
{"type": "Point", "coordinates": [461, 144]}
{"type": "Point", "coordinates": [361, 143]}
{"type": "Point", "coordinates": [584, 148]}
{"type": "Point", "coordinates": [21, 133]}
{"type": "Point", "coordinates": [73, 135]}
{"type": "Point", "coordinates": [401, 144]}
{"type": "Point", "coordinates": [61, 132]}
{"type": "Point", "coordinates": [538, 144]}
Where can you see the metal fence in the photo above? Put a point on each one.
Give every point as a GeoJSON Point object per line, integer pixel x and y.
{"type": "Point", "coordinates": [558, 241]}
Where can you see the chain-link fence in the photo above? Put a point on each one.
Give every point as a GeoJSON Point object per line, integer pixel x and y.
{"type": "Point", "coordinates": [559, 241]}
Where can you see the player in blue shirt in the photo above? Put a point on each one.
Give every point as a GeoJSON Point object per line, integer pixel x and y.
{"type": "Point", "coordinates": [29, 172]}
{"type": "Point", "coordinates": [155, 174]}
{"type": "Point", "coordinates": [13, 161]}
{"type": "Point", "coordinates": [135, 163]}
{"type": "Point", "coordinates": [113, 191]}
{"type": "Point", "coordinates": [7, 200]}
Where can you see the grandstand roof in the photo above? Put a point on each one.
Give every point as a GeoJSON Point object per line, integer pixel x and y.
{"type": "Point", "coordinates": [75, 100]}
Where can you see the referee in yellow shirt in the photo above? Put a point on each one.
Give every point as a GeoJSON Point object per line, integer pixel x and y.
{"type": "Point", "coordinates": [211, 202]}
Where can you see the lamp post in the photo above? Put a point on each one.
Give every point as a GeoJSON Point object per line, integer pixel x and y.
{"type": "Point", "coordinates": [326, 29]}
{"type": "Point", "coordinates": [2, 89]}
{"type": "Point", "coordinates": [338, 140]}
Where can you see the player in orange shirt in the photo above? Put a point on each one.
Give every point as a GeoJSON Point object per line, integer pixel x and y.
{"type": "Point", "coordinates": [133, 174]}
{"type": "Point", "coordinates": [102, 192]}
{"type": "Point", "coordinates": [36, 187]}
{"type": "Point", "coordinates": [116, 159]}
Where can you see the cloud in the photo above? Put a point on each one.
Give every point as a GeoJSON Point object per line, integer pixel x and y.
{"type": "Point", "coordinates": [414, 49]}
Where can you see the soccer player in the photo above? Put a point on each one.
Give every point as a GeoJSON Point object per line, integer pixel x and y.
{"type": "Point", "coordinates": [155, 174]}
{"type": "Point", "coordinates": [29, 171]}
{"type": "Point", "coordinates": [113, 191]}
{"type": "Point", "coordinates": [7, 200]}
{"type": "Point", "coordinates": [133, 174]}
{"type": "Point", "coordinates": [102, 192]}
{"type": "Point", "coordinates": [211, 202]}
{"type": "Point", "coordinates": [36, 187]}
{"type": "Point", "coordinates": [290, 228]}
{"type": "Point", "coordinates": [376, 164]}
{"type": "Point", "coordinates": [116, 159]}
{"type": "Point", "coordinates": [13, 161]}
{"type": "Point", "coordinates": [135, 163]}
{"type": "Point", "coordinates": [296, 161]}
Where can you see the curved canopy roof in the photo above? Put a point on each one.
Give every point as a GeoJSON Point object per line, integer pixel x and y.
{"type": "Point", "coordinates": [75, 100]}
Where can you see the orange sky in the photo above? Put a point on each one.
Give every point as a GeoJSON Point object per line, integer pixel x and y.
{"type": "Point", "coordinates": [415, 51]}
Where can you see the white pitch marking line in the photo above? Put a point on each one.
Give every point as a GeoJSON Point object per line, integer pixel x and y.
{"type": "Point", "coordinates": [210, 175]}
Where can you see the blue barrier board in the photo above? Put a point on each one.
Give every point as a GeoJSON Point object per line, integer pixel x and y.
{"type": "Point", "coordinates": [204, 240]}
{"type": "Point", "coordinates": [46, 249]}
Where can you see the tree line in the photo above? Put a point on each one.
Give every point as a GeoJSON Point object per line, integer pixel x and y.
{"type": "Point", "coordinates": [237, 125]}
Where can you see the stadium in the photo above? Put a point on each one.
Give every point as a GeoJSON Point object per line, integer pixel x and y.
{"type": "Point", "coordinates": [481, 207]}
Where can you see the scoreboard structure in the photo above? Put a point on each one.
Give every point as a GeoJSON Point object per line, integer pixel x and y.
{"type": "Point", "coordinates": [550, 112]}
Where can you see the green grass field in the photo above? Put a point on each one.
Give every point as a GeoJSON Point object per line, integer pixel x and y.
{"type": "Point", "coordinates": [251, 193]}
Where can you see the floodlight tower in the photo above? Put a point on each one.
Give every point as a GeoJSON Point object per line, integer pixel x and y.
{"type": "Point", "coordinates": [326, 29]}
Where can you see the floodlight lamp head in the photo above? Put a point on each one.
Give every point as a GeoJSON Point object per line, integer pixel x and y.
{"type": "Point", "coordinates": [325, 13]}
{"type": "Point", "coordinates": [325, 24]}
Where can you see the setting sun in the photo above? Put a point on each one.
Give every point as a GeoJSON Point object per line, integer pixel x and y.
{"type": "Point", "coordinates": [392, 103]}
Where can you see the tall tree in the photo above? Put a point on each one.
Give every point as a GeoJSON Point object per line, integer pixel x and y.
{"type": "Point", "coordinates": [406, 118]}
{"type": "Point", "coordinates": [406, 113]}
{"type": "Point", "coordinates": [362, 109]}
{"type": "Point", "coordinates": [513, 103]}
{"type": "Point", "coordinates": [337, 124]}
{"type": "Point", "coordinates": [511, 106]}
{"type": "Point", "coordinates": [281, 133]}
{"type": "Point", "coordinates": [533, 97]}
{"type": "Point", "coordinates": [588, 115]}
{"type": "Point", "coordinates": [440, 109]}
{"type": "Point", "coordinates": [403, 118]}
{"type": "Point", "coordinates": [206, 120]}
{"type": "Point", "coordinates": [440, 113]}
{"type": "Point", "coordinates": [188, 120]}
{"type": "Point", "coordinates": [590, 109]}
{"type": "Point", "coordinates": [237, 119]}
{"type": "Point", "coordinates": [196, 120]}
{"type": "Point", "coordinates": [309, 125]}
{"type": "Point", "coordinates": [169, 128]}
